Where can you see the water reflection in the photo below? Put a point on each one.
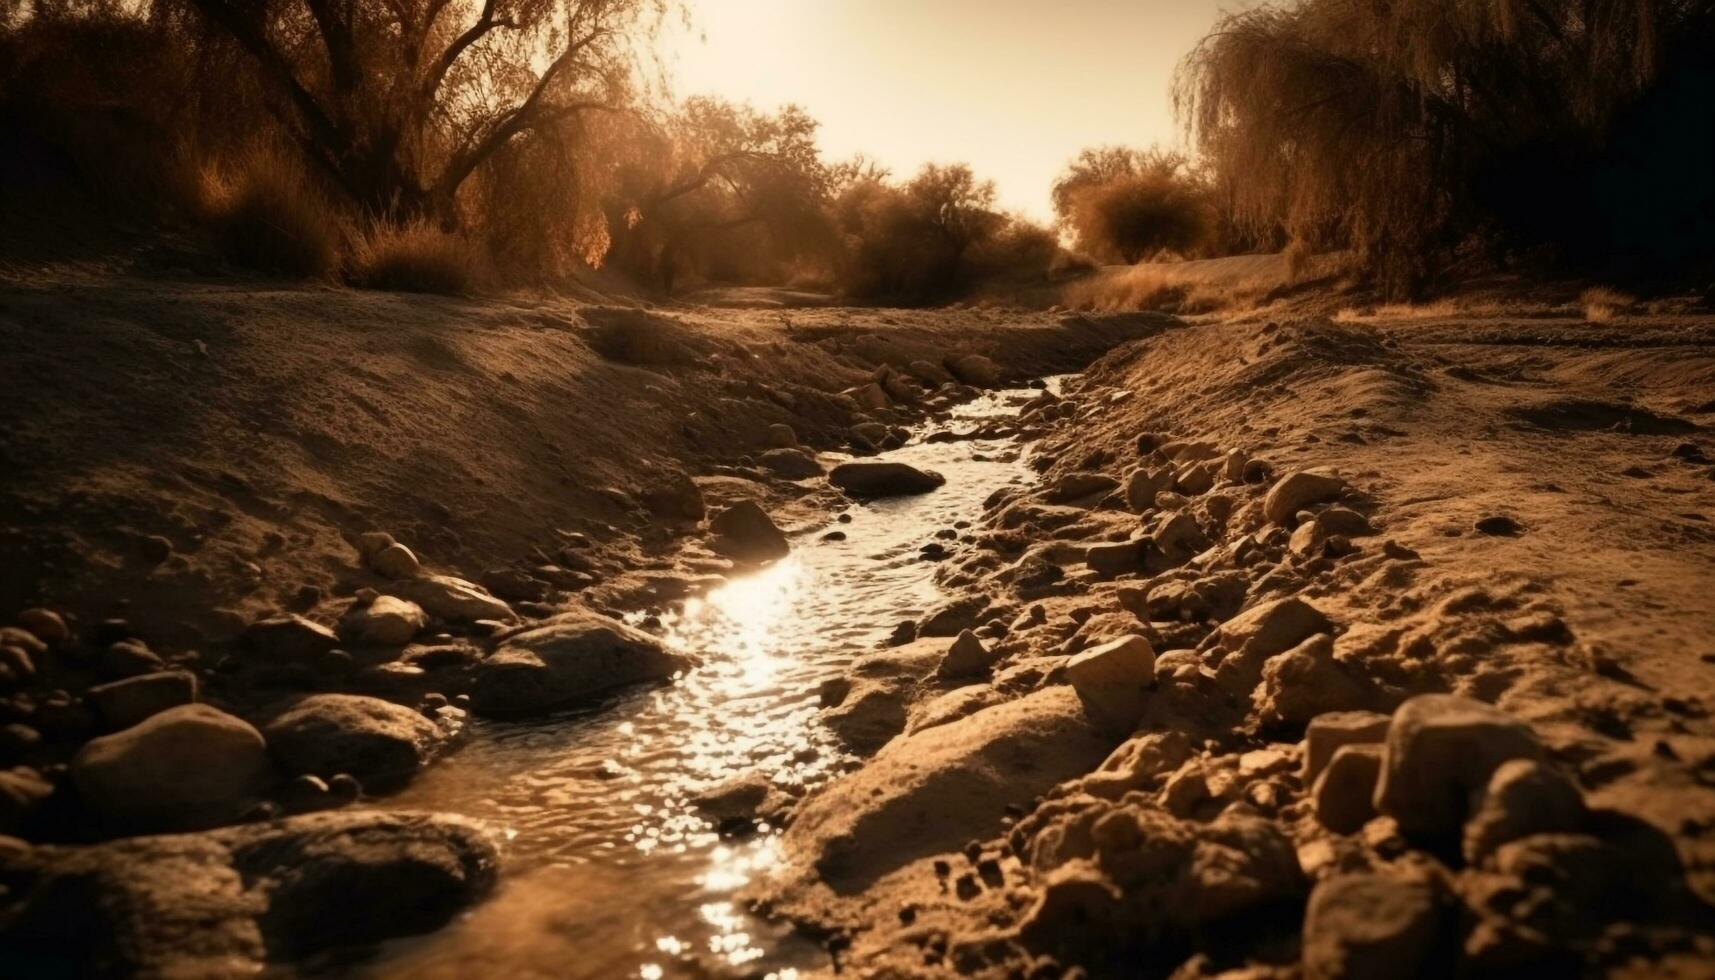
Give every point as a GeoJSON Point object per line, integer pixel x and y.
{"type": "Point", "coordinates": [611, 870]}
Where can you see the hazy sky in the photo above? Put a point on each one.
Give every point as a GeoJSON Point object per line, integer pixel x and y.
{"type": "Point", "coordinates": [1014, 87]}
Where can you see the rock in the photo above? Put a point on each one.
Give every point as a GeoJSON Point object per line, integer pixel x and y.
{"type": "Point", "coordinates": [1305, 682]}
{"type": "Point", "coordinates": [929, 372]}
{"type": "Point", "coordinates": [46, 625]}
{"type": "Point", "coordinates": [327, 734]}
{"type": "Point", "coordinates": [791, 464]}
{"type": "Point", "coordinates": [869, 435]}
{"type": "Point", "coordinates": [1195, 478]}
{"type": "Point", "coordinates": [973, 369]}
{"type": "Point", "coordinates": [1126, 664]}
{"type": "Point", "coordinates": [514, 585]}
{"type": "Point", "coordinates": [290, 638]}
{"type": "Point", "coordinates": [371, 543]}
{"type": "Point", "coordinates": [128, 658]}
{"type": "Point", "coordinates": [781, 436]}
{"type": "Point", "coordinates": [396, 562]}
{"type": "Point", "coordinates": [1175, 876]}
{"type": "Point", "coordinates": [1296, 491]}
{"type": "Point", "coordinates": [734, 802]}
{"type": "Point", "coordinates": [449, 598]}
{"type": "Point", "coordinates": [1524, 797]}
{"type": "Point", "coordinates": [184, 768]}
{"type": "Point", "coordinates": [1248, 640]}
{"type": "Point", "coordinates": [1328, 732]}
{"type": "Point", "coordinates": [1117, 558]}
{"type": "Point", "coordinates": [121, 704]}
{"type": "Point", "coordinates": [675, 499]}
{"type": "Point", "coordinates": [966, 656]}
{"type": "Point", "coordinates": [1139, 764]}
{"type": "Point", "coordinates": [241, 901]}
{"type": "Point", "coordinates": [745, 531]}
{"type": "Point", "coordinates": [869, 478]}
{"type": "Point", "coordinates": [571, 658]}
{"type": "Point", "coordinates": [386, 621]}
{"type": "Point", "coordinates": [1442, 748]}
{"type": "Point", "coordinates": [870, 396]}
{"type": "Point", "coordinates": [935, 790]}
{"type": "Point", "coordinates": [954, 616]}
{"type": "Point", "coordinates": [1077, 486]}
{"type": "Point", "coordinates": [1374, 927]}
{"type": "Point", "coordinates": [1344, 793]}
{"type": "Point", "coordinates": [22, 790]}
{"type": "Point", "coordinates": [1142, 486]}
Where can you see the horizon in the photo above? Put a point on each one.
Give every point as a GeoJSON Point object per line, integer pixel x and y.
{"type": "Point", "coordinates": [939, 96]}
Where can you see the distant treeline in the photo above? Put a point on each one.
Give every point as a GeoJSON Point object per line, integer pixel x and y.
{"type": "Point", "coordinates": [421, 143]}
{"type": "Point", "coordinates": [428, 144]}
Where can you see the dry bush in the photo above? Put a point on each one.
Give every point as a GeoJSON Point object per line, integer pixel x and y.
{"type": "Point", "coordinates": [415, 257]}
{"type": "Point", "coordinates": [1123, 205]}
{"type": "Point", "coordinates": [1601, 303]}
{"type": "Point", "coordinates": [266, 215]}
{"type": "Point", "coordinates": [929, 239]}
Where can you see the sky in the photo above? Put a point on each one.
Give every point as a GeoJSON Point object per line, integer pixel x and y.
{"type": "Point", "coordinates": [1013, 87]}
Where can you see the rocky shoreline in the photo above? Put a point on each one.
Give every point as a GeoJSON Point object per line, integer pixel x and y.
{"type": "Point", "coordinates": [124, 757]}
{"type": "Point", "coordinates": [1197, 704]}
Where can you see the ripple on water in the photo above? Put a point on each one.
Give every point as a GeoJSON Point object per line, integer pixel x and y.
{"type": "Point", "coordinates": [610, 871]}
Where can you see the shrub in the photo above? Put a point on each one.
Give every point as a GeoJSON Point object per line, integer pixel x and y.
{"type": "Point", "coordinates": [1123, 205]}
{"type": "Point", "coordinates": [415, 257]}
{"type": "Point", "coordinates": [267, 216]}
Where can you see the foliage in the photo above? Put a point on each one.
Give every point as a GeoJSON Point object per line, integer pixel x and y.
{"type": "Point", "coordinates": [415, 257]}
{"type": "Point", "coordinates": [1124, 205]}
{"type": "Point", "coordinates": [1406, 129]}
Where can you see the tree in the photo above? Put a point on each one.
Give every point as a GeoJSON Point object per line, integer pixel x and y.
{"type": "Point", "coordinates": [712, 168]}
{"type": "Point", "coordinates": [397, 102]}
{"type": "Point", "coordinates": [1123, 204]}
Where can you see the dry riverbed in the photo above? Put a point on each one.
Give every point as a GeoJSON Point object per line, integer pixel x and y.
{"type": "Point", "coordinates": [1290, 646]}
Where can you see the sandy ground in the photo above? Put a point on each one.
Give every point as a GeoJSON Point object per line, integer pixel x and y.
{"type": "Point", "coordinates": [1536, 492]}
{"type": "Point", "coordinates": [192, 454]}
{"type": "Point", "coordinates": [1539, 493]}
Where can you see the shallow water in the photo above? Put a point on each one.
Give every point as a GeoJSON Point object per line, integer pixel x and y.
{"type": "Point", "coordinates": [608, 869]}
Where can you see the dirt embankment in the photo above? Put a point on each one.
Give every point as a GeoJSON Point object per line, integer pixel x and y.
{"type": "Point", "coordinates": [192, 455]}
{"type": "Point", "coordinates": [1316, 535]}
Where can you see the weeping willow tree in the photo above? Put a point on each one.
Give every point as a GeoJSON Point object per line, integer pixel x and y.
{"type": "Point", "coordinates": [1371, 123]}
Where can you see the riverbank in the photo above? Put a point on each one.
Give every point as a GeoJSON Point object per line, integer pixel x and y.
{"type": "Point", "coordinates": [1247, 542]}
{"type": "Point", "coordinates": [1434, 544]}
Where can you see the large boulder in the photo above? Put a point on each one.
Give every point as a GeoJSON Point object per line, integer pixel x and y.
{"type": "Point", "coordinates": [184, 768]}
{"type": "Point", "coordinates": [1524, 797]}
{"type": "Point", "coordinates": [237, 901]}
{"type": "Point", "coordinates": [746, 532]}
{"type": "Point", "coordinates": [1296, 491]}
{"type": "Point", "coordinates": [1112, 871]}
{"type": "Point", "coordinates": [450, 598]}
{"type": "Point", "coordinates": [1245, 643]}
{"type": "Point", "coordinates": [791, 464]}
{"type": "Point", "coordinates": [372, 739]}
{"type": "Point", "coordinates": [571, 658]}
{"type": "Point", "coordinates": [1440, 750]}
{"type": "Point", "coordinates": [883, 478]}
{"type": "Point", "coordinates": [1374, 927]}
{"type": "Point", "coordinates": [1307, 681]}
{"type": "Point", "coordinates": [123, 703]}
{"type": "Point", "coordinates": [1327, 733]}
{"type": "Point", "coordinates": [973, 369]}
{"type": "Point", "coordinates": [1344, 793]}
{"type": "Point", "coordinates": [385, 621]}
{"type": "Point", "coordinates": [289, 638]}
{"type": "Point", "coordinates": [935, 790]}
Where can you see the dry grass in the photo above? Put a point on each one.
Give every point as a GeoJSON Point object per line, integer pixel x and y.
{"type": "Point", "coordinates": [1150, 288]}
{"type": "Point", "coordinates": [415, 257]}
{"type": "Point", "coordinates": [1601, 304]}
{"type": "Point", "coordinates": [267, 216]}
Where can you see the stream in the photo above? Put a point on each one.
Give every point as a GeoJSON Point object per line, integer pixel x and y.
{"type": "Point", "coordinates": [608, 869]}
